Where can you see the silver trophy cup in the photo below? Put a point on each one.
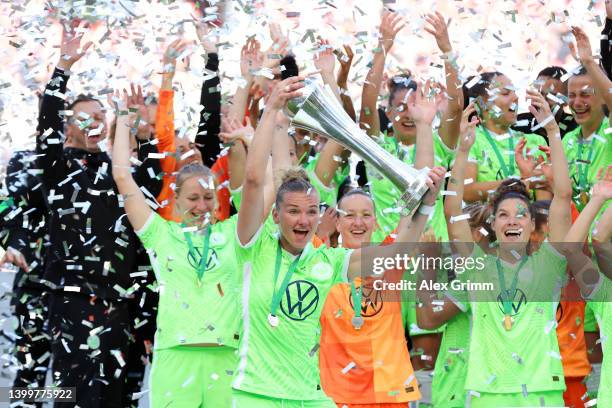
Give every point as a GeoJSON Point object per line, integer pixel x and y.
{"type": "Point", "coordinates": [322, 113]}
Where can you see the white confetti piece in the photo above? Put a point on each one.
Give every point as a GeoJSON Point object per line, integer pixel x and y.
{"type": "Point", "coordinates": [349, 367]}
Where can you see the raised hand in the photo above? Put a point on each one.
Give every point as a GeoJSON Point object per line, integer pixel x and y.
{"type": "Point", "coordinates": [283, 91]}
{"type": "Point", "coordinates": [390, 25]}
{"type": "Point", "coordinates": [251, 58]}
{"type": "Point", "coordinates": [136, 103]}
{"type": "Point", "coordinates": [327, 223]}
{"type": "Point", "coordinates": [324, 59]}
{"type": "Point", "coordinates": [174, 49]}
{"type": "Point", "coordinates": [232, 130]}
{"type": "Point", "coordinates": [280, 41]}
{"type": "Point", "coordinates": [345, 65]}
{"type": "Point", "coordinates": [207, 40]}
{"type": "Point", "coordinates": [71, 49]}
{"type": "Point", "coordinates": [467, 128]}
{"type": "Point", "coordinates": [582, 50]}
{"type": "Point", "coordinates": [424, 104]}
{"type": "Point", "coordinates": [439, 30]}
{"type": "Point", "coordinates": [540, 109]}
{"type": "Point", "coordinates": [525, 164]}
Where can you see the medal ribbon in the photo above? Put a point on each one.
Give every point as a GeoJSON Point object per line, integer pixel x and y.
{"type": "Point", "coordinates": [357, 296]}
{"type": "Point", "coordinates": [401, 155]}
{"type": "Point", "coordinates": [583, 167]}
{"type": "Point", "coordinates": [507, 294]}
{"type": "Point", "coordinates": [277, 295]}
{"type": "Point", "coordinates": [204, 259]}
{"type": "Point", "coordinates": [507, 170]}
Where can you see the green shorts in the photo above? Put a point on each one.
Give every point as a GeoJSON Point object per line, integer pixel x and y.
{"type": "Point", "coordinates": [197, 377]}
{"type": "Point", "coordinates": [241, 399]}
{"type": "Point", "coordinates": [533, 399]}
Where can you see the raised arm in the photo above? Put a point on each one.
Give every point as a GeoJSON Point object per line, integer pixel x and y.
{"type": "Point", "coordinates": [600, 80]}
{"type": "Point", "coordinates": [451, 117]}
{"type": "Point", "coordinates": [252, 216]}
{"type": "Point", "coordinates": [49, 141]}
{"type": "Point", "coordinates": [209, 125]}
{"type": "Point", "coordinates": [133, 199]}
{"type": "Point", "coordinates": [581, 265]}
{"type": "Point", "coordinates": [330, 158]}
{"type": "Point", "coordinates": [250, 61]}
{"type": "Point", "coordinates": [458, 226]}
{"type": "Point", "coordinates": [560, 216]}
{"type": "Point", "coordinates": [342, 80]}
{"type": "Point", "coordinates": [602, 192]}
{"type": "Point", "coordinates": [390, 25]}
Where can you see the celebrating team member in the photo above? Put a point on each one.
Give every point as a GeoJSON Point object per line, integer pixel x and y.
{"type": "Point", "coordinates": [550, 84]}
{"type": "Point", "coordinates": [492, 158]}
{"type": "Point", "coordinates": [364, 359]}
{"type": "Point", "coordinates": [588, 147]}
{"type": "Point", "coordinates": [197, 329]}
{"type": "Point", "coordinates": [279, 342]}
{"type": "Point", "coordinates": [600, 300]}
{"type": "Point", "coordinates": [362, 325]}
{"type": "Point", "coordinates": [503, 371]}
{"type": "Point", "coordinates": [405, 129]}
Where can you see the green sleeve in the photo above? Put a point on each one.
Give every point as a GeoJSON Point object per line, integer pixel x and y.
{"type": "Point", "coordinates": [154, 232]}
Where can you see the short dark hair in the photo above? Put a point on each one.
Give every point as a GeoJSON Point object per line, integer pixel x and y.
{"type": "Point", "coordinates": [290, 67]}
{"type": "Point", "coordinates": [553, 72]}
{"type": "Point", "coordinates": [82, 98]}
{"type": "Point", "coordinates": [511, 188]}
{"type": "Point", "coordinates": [399, 83]}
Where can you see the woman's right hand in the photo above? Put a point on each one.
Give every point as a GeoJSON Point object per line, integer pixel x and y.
{"type": "Point", "coordinates": [390, 24]}
{"type": "Point", "coordinates": [283, 91]}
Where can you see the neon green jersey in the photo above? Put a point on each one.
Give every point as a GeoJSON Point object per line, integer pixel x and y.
{"type": "Point", "coordinates": [586, 157]}
{"type": "Point", "coordinates": [525, 358]}
{"type": "Point", "coordinates": [450, 371]}
{"type": "Point", "coordinates": [409, 305]}
{"type": "Point", "coordinates": [601, 304]}
{"type": "Point", "coordinates": [283, 361]}
{"type": "Point", "coordinates": [386, 195]}
{"type": "Point", "coordinates": [189, 312]}
{"type": "Point", "coordinates": [490, 166]}
{"type": "Point", "coordinates": [327, 194]}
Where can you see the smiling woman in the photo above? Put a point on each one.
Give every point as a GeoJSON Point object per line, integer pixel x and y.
{"type": "Point", "coordinates": [492, 158]}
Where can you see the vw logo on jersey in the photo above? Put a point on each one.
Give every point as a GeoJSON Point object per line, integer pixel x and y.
{"type": "Point", "coordinates": [322, 271]}
{"type": "Point", "coordinates": [213, 260]}
{"type": "Point", "coordinates": [300, 301]}
{"type": "Point", "coordinates": [371, 301]}
{"type": "Point", "coordinates": [518, 300]}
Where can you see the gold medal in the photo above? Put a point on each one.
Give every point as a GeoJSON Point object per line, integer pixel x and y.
{"type": "Point", "coordinates": [508, 322]}
{"type": "Point", "coordinates": [584, 198]}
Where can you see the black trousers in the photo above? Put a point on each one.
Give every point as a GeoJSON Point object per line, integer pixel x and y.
{"type": "Point", "coordinates": [32, 345]}
{"type": "Point", "coordinates": [143, 309]}
{"type": "Point", "coordinates": [97, 370]}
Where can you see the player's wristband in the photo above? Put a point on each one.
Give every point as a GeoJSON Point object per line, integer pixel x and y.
{"type": "Point", "coordinates": [425, 209]}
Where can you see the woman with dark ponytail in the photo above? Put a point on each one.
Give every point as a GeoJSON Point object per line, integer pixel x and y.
{"type": "Point", "coordinates": [514, 355]}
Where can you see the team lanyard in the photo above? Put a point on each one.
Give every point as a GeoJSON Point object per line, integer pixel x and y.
{"type": "Point", "coordinates": [277, 295]}
{"type": "Point", "coordinates": [583, 166]}
{"type": "Point", "coordinates": [357, 320]}
{"type": "Point", "coordinates": [508, 295]}
{"type": "Point", "coordinates": [507, 170]}
{"type": "Point", "coordinates": [204, 259]}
